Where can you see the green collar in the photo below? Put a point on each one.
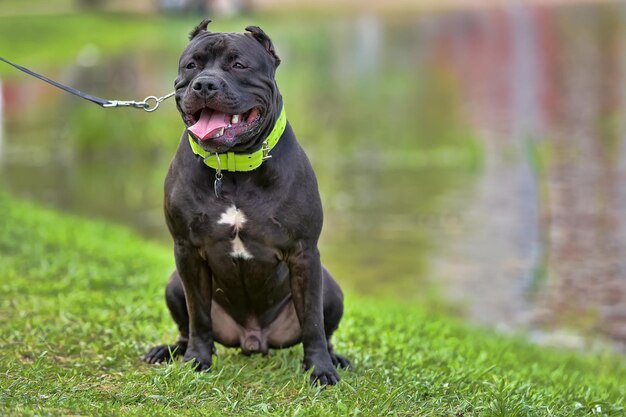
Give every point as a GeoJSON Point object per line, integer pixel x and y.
{"type": "Point", "coordinates": [231, 161]}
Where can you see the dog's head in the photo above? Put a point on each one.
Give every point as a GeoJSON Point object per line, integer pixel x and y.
{"type": "Point", "coordinates": [225, 89]}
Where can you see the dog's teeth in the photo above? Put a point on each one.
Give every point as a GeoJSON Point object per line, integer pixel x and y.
{"type": "Point", "coordinates": [235, 119]}
{"type": "Point", "coordinates": [219, 133]}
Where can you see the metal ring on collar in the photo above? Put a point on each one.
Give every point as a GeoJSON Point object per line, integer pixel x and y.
{"type": "Point", "coordinates": [218, 173]}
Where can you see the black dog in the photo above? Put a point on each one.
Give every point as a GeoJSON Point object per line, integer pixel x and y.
{"type": "Point", "coordinates": [243, 208]}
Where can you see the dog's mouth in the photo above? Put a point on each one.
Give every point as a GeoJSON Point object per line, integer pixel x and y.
{"type": "Point", "coordinates": [209, 123]}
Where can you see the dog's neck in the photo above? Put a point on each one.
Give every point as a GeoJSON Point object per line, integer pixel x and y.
{"type": "Point", "coordinates": [232, 161]}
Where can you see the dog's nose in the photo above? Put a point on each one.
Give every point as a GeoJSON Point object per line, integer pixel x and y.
{"type": "Point", "coordinates": [206, 85]}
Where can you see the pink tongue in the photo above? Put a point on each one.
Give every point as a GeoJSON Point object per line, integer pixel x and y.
{"type": "Point", "coordinates": [209, 121]}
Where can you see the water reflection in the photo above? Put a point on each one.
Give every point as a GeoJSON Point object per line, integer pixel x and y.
{"type": "Point", "coordinates": [549, 114]}
{"type": "Point", "coordinates": [1, 120]}
{"type": "Point", "coordinates": [367, 50]}
{"type": "Point", "coordinates": [476, 156]}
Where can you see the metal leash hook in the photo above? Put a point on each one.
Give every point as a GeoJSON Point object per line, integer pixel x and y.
{"type": "Point", "coordinates": [145, 104]}
{"type": "Point", "coordinates": [125, 103]}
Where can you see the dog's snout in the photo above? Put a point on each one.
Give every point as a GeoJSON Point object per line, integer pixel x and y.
{"type": "Point", "coordinates": [206, 85]}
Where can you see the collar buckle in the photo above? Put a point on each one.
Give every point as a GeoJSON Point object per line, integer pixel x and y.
{"type": "Point", "coordinates": [266, 151]}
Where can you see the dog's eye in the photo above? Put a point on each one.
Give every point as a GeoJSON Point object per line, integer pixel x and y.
{"type": "Point", "coordinates": [238, 65]}
{"type": "Point", "coordinates": [191, 65]}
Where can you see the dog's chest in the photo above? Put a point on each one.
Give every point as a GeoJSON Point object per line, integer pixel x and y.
{"type": "Point", "coordinates": [233, 221]}
{"type": "Point", "coordinates": [236, 232]}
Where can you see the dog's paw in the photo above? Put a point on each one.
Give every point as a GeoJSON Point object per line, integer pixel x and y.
{"type": "Point", "coordinates": [323, 373]}
{"type": "Point", "coordinates": [165, 353]}
{"type": "Point", "coordinates": [200, 362]}
{"type": "Point", "coordinates": [324, 377]}
{"type": "Point", "coordinates": [340, 361]}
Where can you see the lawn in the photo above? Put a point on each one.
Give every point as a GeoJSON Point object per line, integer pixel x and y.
{"type": "Point", "coordinates": [81, 302]}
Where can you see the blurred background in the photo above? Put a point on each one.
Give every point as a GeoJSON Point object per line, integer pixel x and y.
{"type": "Point", "coordinates": [471, 154]}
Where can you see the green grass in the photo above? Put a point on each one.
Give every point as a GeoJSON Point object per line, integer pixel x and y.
{"type": "Point", "coordinates": [81, 301]}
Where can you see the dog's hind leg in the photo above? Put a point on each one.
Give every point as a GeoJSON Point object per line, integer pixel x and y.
{"type": "Point", "coordinates": [333, 311]}
{"type": "Point", "coordinates": [175, 299]}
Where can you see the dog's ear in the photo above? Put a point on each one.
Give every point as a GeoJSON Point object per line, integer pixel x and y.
{"type": "Point", "coordinates": [263, 39]}
{"type": "Point", "coordinates": [199, 29]}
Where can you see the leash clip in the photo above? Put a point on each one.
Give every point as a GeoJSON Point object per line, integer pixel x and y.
{"type": "Point", "coordinates": [149, 104]}
{"type": "Point", "coordinates": [126, 103]}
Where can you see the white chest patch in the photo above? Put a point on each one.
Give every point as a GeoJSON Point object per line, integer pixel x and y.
{"type": "Point", "coordinates": [235, 218]}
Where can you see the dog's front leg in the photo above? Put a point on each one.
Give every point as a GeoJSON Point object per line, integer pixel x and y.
{"type": "Point", "coordinates": [197, 281]}
{"type": "Point", "coordinates": [305, 270]}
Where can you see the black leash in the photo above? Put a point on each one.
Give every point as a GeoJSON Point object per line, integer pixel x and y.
{"type": "Point", "coordinates": [149, 104]}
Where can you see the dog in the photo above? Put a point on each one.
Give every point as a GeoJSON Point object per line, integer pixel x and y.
{"type": "Point", "coordinates": [243, 208]}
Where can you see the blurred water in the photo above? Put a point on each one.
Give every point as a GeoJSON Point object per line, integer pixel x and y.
{"type": "Point", "coordinates": [473, 158]}
{"type": "Point", "coordinates": [1, 119]}
{"type": "Point", "coordinates": [544, 237]}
